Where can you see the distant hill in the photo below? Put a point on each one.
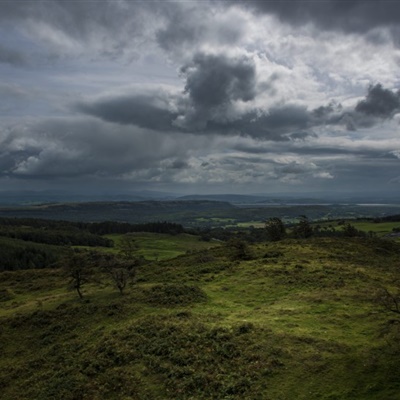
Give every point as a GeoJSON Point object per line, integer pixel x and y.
{"type": "Point", "coordinates": [142, 211]}
{"type": "Point", "coordinates": [231, 198]}
{"type": "Point", "coordinates": [243, 199]}
{"type": "Point", "coordinates": [31, 197]}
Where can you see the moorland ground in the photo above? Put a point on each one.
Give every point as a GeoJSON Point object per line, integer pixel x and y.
{"type": "Point", "coordinates": [294, 319]}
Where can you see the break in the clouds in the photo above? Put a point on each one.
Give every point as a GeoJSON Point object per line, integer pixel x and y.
{"type": "Point", "coordinates": [204, 95]}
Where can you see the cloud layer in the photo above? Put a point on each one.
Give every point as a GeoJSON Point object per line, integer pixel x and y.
{"type": "Point", "coordinates": [212, 95]}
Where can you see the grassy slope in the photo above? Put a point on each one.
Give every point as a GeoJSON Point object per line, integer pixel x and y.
{"type": "Point", "coordinates": [298, 321]}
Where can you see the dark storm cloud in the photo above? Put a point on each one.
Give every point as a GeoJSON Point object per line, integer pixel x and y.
{"type": "Point", "coordinates": [214, 84]}
{"type": "Point", "coordinates": [347, 15]}
{"type": "Point", "coordinates": [144, 110]}
{"type": "Point", "coordinates": [214, 80]}
{"type": "Point", "coordinates": [379, 102]}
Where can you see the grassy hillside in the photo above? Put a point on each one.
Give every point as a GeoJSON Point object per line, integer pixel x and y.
{"type": "Point", "coordinates": [297, 319]}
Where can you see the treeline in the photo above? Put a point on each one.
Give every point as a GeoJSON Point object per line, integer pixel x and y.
{"type": "Point", "coordinates": [64, 233]}
{"type": "Point", "coordinates": [108, 227]}
{"type": "Point", "coordinates": [16, 255]}
{"type": "Point", "coordinates": [389, 218]}
{"type": "Point", "coordinates": [55, 237]}
{"type": "Point", "coordinates": [96, 228]}
{"type": "Point", "coordinates": [274, 230]}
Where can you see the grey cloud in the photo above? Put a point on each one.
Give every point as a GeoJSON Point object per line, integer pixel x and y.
{"type": "Point", "coordinates": [187, 24]}
{"type": "Point", "coordinates": [275, 124]}
{"type": "Point", "coordinates": [216, 80]}
{"type": "Point", "coordinates": [215, 87]}
{"type": "Point", "coordinates": [156, 112]}
{"type": "Point", "coordinates": [12, 57]}
{"type": "Point", "coordinates": [179, 164]}
{"type": "Point", "coordinates": [207, 105]}
{"type": "Point", "coordinates": [148, 110]}
{"type": "Point", "coordinates": [85, 147]}
{"type": "Point", "coordinates": [379, 102]}
{"type": "Point", "coordinates": [213, 84]}
{"type": "Point", "coordinates": [349, 15]}
{"type": "Point", "coordinates": [182, 29]}
{"type": "Point", "coordinates": [323, 112]}
{"type": "Point", "coordinates": [302, 135]}
{"type": "Point", "coordinates": [11, 90]}
{"type": "Point", "coordinates": [295, 168]}
{"type": "Point", "coordinates": [107, 27]}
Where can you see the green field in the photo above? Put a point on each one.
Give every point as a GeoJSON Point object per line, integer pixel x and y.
{"type": "Point", "coordinates": [380, 229]}
{"type": "Point", "coordinates": [296, 319]}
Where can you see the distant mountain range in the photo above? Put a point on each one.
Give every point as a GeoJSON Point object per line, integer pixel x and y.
{"type": "Point", "coordinates": [42, 197]}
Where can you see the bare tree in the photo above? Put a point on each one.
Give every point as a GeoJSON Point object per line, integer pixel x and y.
{"type": "Point", "coordinates": [128, 247]}
{"type": "Point", "coordinates": [120, 271]}
{"type": "Point", "coordinates": [77, 268]}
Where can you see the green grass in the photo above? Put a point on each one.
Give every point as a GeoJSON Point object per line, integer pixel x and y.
{"type": "Point", "coordinates": [299, 320]}
{"type": "Point", "coordinates": [158, 246]}
{"type": "Point", "coordinates": [380, 229]}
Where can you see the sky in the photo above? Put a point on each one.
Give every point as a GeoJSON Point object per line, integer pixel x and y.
{"type": "Point", "coordinates": [207, 96]}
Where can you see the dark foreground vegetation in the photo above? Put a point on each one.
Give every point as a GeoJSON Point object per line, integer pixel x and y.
{"type": "Point", "coordinates": [308, 311]}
